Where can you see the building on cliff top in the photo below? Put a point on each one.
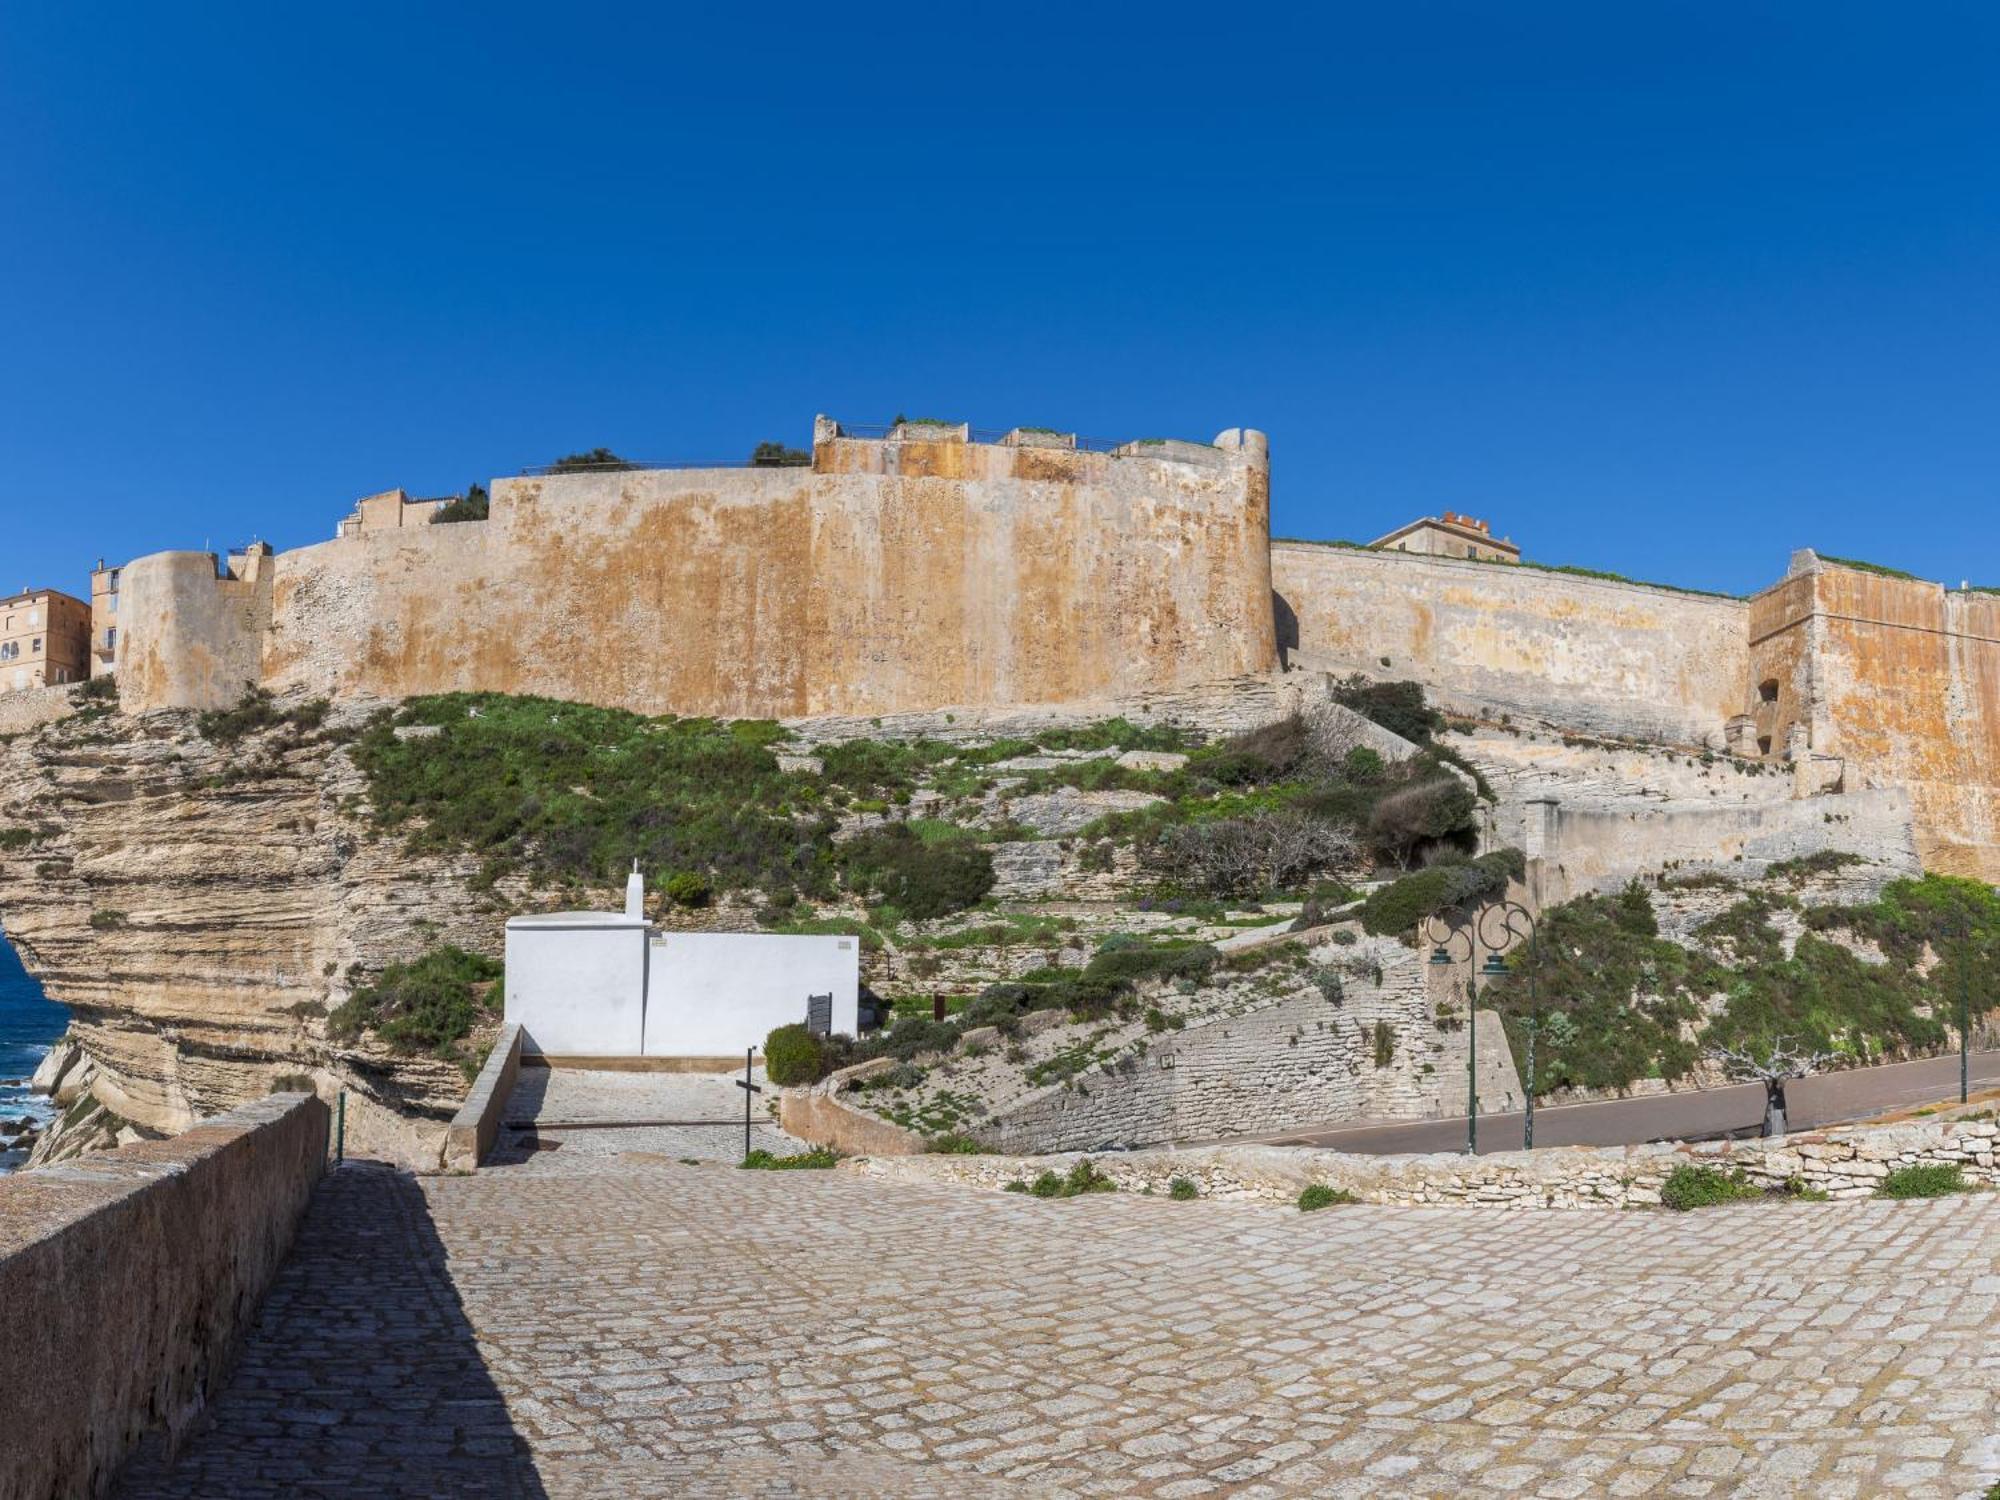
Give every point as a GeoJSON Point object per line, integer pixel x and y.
{"type": "Point", "coordinates": [44, 639]}
{"type": "Point", "coordinates": [1450, 535]}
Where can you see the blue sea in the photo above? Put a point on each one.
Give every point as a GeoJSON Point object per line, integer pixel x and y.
{"type": "Point", "coordinates": [29, 1024]}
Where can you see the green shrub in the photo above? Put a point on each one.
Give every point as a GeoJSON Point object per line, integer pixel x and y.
{"type": "Point", "coordinates": [921, 880]}
{"type": "Point", "coordinates": [1401, 905]}
{"type": "Point", "coordinates": [16, 838]}
{"type": "Point", "coordinates": [1385, 1044]}
{"type": "Point", "coordinates": [954, 1143]}
{"type": "Point", "coordinates": [818, 1159]}
{"type": "Point", "coordinates": [687, 889]}
{"type": "Point", "coordinates": [1183, 1190]}
{"type": "Point", "coordinates": [106, 921]}
{"type": "Point", "coordinates": [1319, 1195]}
{"type": "Point", "coordinates": [793, 1056]}
{"type": "Point", "coordinates": [428, 1004]}
{"type": "Point", "coordinates": [1925, 1180]}
{"type": "Point", "coordinates": [1398, 707]}
{"type": "Point", "coordinates": [1081, 1178]}
{"type": "Point", "coordinates": [474, 505]}
{"type": "Point", "coordinates": [1689, 1186]}
{"type": "Point", "coordinates": [255, 712]}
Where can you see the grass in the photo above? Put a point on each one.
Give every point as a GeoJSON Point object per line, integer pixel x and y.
{"type": "Point", "coordinates": [1183, 1190]}
{"type": "Point", "coordinates": [815, 1160]}
{"type": "Point", "coordinates": [1319, 1195]}
{"type": "Point", "coordinates": [256, 712]}
{"type": "Point", "coordinates": [1868, 567]}
{"type": "Point", "coordinates": [1689, 1187]}
{"type": "Point", "coordinates": [1925, 1180]}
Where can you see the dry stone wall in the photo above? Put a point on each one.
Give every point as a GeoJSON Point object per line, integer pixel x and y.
{"type": "Point", "coordinates": [1843, 1163]}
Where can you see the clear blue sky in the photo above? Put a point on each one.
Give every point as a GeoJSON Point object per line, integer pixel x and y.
{"type": "Point", "coordinates": [1664, 289]}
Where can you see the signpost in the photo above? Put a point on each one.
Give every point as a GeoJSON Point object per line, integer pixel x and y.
{"type": "Point", "coordinates": [748, 1088]}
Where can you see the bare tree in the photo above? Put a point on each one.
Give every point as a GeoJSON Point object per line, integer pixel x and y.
{"type": "Point", "coordinates": [1782, 1063]}
{"type": "Point", "coordinates": [1238, 856]}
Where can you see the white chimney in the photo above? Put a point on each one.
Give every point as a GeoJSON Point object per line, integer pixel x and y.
{"type": "Point", "coordinates": [635, 894]}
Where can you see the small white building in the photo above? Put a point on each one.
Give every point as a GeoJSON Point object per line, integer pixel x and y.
{"type": "Point", "coordinates": [610, 984]}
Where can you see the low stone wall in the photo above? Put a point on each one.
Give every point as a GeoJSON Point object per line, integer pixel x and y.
{"type": "Point", "coordinates": [127, 1280]}
{"type": "Point", "coordinates": [477, 1123]}
{"type": "Point", "coordinates": [817, 1115]}
{"type": "Point", "coordinates": [1843, 1163]}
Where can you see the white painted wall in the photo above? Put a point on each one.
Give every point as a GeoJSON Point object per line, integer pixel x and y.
{"type": "Point", "coordinates": [712, 994]}
{"type": "Point", "coordinates": [599, 985]}
{"type": "Point", "coordinates": [577, 986]}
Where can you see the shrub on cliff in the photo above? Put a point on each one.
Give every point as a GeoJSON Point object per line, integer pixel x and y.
{"type": "Point", "coordinates": [428, 1004]}
{"type": "Point", "coordinates": [1690, 1186]}
{"type": "Point", "coordinates": [793, 1057]}
{"type": "Point", "coordinates": [1398, 707]}
{"type": "Point", "coordinates": [473, 505]}
{"type": "Point", "coordinates": [1398, 907]}
{"type": "Point", "coordinates": [592, 460]}
{"type": "Point", "coordinates": [921, 880]}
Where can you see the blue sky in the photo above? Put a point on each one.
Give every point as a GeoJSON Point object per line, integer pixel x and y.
{"type": "Point", "coordinates": [1663, 289]}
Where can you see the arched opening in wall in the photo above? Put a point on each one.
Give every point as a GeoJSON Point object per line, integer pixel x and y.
{"type": "Point", "coordinates": [1767, 690]}
{"type": "Point", "coordinates": [1763, 744]}
{"type": "Point", "coordinates": [1286, 621]}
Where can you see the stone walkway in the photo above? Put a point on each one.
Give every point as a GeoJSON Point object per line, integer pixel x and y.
{"type": "Point", "coordinates": [600, 1325]}
{"type": "Point", "coordinates": [550, 1096]}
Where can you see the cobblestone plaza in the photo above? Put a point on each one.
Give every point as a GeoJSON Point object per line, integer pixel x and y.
{"type": "Point", "coordinates": [595, 1323]}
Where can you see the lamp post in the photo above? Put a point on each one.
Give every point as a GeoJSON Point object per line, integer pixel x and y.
{"type": "Point", "coordinates": [1498, 927]}
{"type": "Point", "coordinates": [1964, 1007]}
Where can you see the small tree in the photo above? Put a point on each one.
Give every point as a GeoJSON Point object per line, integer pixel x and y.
{"type": "Point", "coordinates": [778, 456]}
{"type": "Point", "coordinates": [1777, 1067]}
{"type": "Point", "coordinates": [596, 460]}
{"type": "Point", "coordinates": [473, 505]}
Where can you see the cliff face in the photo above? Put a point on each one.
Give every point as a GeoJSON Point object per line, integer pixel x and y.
{"type": "Point", "coordinates": [199, 905]}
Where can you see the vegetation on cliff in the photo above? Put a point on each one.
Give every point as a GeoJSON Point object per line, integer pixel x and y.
{"type": "Point", "coordinates": [431, 1004]}
{"type": "Point", "coordinates": [1617, 1002]}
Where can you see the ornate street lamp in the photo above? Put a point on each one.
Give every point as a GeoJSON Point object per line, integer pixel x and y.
{"type": "Point", "coordinates": [1446, 931]}
{"type": "Point", "coordinates": [1499, 926]}
{"type": "Point", "coordinates": [1503, 926]}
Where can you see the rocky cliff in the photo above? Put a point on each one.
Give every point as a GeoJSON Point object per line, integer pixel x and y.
{"type": "Point", "coordinates": [200, 904]}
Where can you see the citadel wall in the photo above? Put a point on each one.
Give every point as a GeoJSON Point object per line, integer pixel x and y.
{"type": "Point", "coordinates": [1593, 655]}
{"type": "Point", "coordinates": [887, 577]}
{"type": "Point", "coordinates": [1899, 681]}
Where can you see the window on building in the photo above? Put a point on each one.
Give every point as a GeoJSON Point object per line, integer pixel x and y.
{"type": "Point", "coordinates": [38, 645]}
{"type": "Point", "coordinates": [111, 638]}
{"type": "Point", "coordinates": [1768, 690]}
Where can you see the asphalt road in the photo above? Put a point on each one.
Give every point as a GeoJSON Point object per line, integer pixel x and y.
{"type": "Point", "coordinates": [1826, 1099]}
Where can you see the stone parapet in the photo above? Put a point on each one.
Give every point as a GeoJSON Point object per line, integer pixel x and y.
{"type": "Point", "coordinates": [128, 1279]}
{"type": "Point", "coordinates": [1842, 1163]}
{"type": "Point", "coordinates": [820, 1117]}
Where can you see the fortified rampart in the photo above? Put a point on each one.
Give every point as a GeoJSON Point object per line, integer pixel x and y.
{"type": "Point", "coordinates": [1895, 682]}
{"type": "Point", "coordinates": [887, 576]}
{"type": "Point", "coordinates": [1592, 654]}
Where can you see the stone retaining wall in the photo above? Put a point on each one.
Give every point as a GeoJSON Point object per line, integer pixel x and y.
{"type": "Point", "coordinates": [127, 1279]}
{"type": "Point", "coordinates": [30, 708]}
{"type": "Point", "coordinates": [477, 1123]}
{"type": "Point", "coordinates": [1843, 1163]}
{"type": "Point", "coordinates": [819, 1116]}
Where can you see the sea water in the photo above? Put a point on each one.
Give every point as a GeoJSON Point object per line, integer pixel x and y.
{"type": "Point", "coordinates": [30, 1022]}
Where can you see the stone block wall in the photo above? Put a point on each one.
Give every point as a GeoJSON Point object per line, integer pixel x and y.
{"type": "Point", "coordinates": [1590, 654]}
{"type": "Point", "coordinates": [30, 708]}
{"type": "Point", "coordinates": [127, 1280]}
{"type": "Point", "coordinates": [888, 577]}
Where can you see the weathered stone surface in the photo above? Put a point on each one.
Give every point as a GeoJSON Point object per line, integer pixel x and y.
{"type": "Point", "coordinates": [127, 1281]}
{"type": "Point", "coordinates": [477, 1124]}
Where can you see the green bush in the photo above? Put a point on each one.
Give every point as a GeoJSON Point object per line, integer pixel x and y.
{"type": "Point", "coordinates": [1690, 1186]}
{"type": "Point", "coordinates": [1183, 1190]}
{"type": "Point", "coordinates": [815, 1160]}
{"type": "Point", "coordinates": [1401, 905]}
{"type": "Point", "coordinates": [920, 880]}
{"type": "Point", "coordinates": [428, 1004]}
{"type": "Point", "coordinates": [1081, 1178]}
{"type": "Point", "coordinates": [1925, 1180]}
{"type": "Point", "coordinates": [1398, 707]}
{"type": "Point", "coordinates": [1319, 1195]}
{"type": "Point", "coordinates": [686, 889]}
{"type": "Point", "coordinates": [793, 1056]}
{"type": "Point", "coordinates": [954, 1143]}
{"type": "Point", "coordinates": [255, 712]}
{"type": "Point", "coordinates": [1385, 1044]}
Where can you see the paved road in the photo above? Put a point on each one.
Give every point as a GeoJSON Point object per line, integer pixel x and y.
{"type": "Point", "coordinates": [1823, 1100]}
{"type": "Point", "coordinates": [596, 1325]}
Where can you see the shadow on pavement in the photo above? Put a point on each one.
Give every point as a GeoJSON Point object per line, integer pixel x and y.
{"type": "Point", "coordinates": [362, 1375]}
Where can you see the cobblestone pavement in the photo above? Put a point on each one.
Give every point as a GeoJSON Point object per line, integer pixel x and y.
{"type": "Point", "coordinates": [629, 1326]}
{"type": "Point", "coordinates": [552, 1095]}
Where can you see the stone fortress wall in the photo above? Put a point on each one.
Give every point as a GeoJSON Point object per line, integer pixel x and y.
{"type": "Point", "coordinates": [924, 571]}
{"type": "Point", "coordinates": [887, 576]}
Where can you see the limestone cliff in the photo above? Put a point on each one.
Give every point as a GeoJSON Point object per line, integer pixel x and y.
{"type": "Point", "coordinates": [199, 908]}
